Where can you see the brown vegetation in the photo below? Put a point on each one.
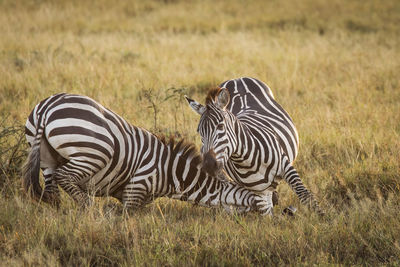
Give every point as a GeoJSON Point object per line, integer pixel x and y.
{"type": "Point", "coordinates": [334, 65]}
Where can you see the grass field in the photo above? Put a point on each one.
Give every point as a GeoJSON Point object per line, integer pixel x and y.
{"type": "Point", "coordinates": [334, 66]}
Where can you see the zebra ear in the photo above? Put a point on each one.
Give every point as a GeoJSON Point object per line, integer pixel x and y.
{"type": "Point", "coordinates": [223, 98]}
{"type": "Point", "coordinates": [199, 108]}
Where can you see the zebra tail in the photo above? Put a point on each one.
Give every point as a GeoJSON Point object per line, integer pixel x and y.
{"type": "Point", "coordinates": [31, 168]}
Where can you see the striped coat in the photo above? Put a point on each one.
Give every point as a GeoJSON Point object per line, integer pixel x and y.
{"type": "Point", "coordinates": [248, 134]}
{"type": "Point", "coordinates": [87, 149]}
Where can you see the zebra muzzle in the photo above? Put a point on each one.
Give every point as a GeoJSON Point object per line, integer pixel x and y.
{"type": "Point", "coordinates": [210, 164]}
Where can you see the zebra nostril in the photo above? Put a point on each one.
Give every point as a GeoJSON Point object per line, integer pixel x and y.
{"type": "Point", "coordinates": [210, 164]}
{"type": "Point", "coordinates": [215, 164]}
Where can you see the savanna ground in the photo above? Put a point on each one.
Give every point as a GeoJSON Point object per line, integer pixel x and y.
{"type": "Point", "coordinates": [334, 65]}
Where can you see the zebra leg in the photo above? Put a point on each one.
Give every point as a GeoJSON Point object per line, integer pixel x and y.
{"type": "Point", "coordinates": [51, 192]}
{"type": "Point", "coordinates": [264, 203]}
{"type": "Point", "coordinates": [292, 177]}
{"type": "Point", "coordinates": [236, 210]}
{"type": "Point", "coordinates": [68, 177]}
{"type": "Point", "coordinates": [134, 196]}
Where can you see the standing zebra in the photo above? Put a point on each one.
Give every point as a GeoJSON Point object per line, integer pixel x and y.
{"type": "Point", "coordinates": [248, 134]}
{"type": "Point", "coordinates": [87, 149]}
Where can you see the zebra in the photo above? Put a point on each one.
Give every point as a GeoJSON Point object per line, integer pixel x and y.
{"type": "Point", "coordinates": [87, 149]}
{"type": "Point", "coordinates": [246, 133]}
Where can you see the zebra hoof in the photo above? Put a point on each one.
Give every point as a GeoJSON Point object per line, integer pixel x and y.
{"type": "Point", "coordinates": [290, 211]}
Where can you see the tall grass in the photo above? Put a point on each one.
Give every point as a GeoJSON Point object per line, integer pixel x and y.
{"type": "Point", "coordinates": [334, 66]}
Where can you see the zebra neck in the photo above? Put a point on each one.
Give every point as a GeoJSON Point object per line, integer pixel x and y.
{"type": "Point", "coordinates": [243, 141]}
{"type": "Point", "coordinates": [189, 183]}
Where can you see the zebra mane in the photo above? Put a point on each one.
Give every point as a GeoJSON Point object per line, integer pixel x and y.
{"type": "Point", "coordinates": [212, 94]}
{"type": "Point", "coordinates": [182, 148]}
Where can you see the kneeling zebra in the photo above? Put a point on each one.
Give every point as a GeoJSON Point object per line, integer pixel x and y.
{"type": "Point", "coordinates": [245, 132]}
{"type": "Point", "coordinates": [87, 149]}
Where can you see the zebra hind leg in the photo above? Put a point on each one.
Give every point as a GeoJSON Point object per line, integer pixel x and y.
{"type": "Point", "coordinates": [292, 177]}
{"type": "Point", "coordinates": [51, 192]}
{"type": "Point", "coordinates": [68, 177]}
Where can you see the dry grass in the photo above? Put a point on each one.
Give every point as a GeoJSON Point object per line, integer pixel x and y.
{"type": "Point", "coordinates": [334, 65]}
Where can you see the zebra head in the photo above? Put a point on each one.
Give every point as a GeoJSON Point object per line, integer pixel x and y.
{"type": "Point", "coordinates": [215, 128]}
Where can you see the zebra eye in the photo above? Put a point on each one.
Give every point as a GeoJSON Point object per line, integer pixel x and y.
{"type": "Point", "coordinates": [220, 126]}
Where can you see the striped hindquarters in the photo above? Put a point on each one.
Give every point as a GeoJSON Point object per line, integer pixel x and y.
{"type": "Point", "coordinates": [83, 139]}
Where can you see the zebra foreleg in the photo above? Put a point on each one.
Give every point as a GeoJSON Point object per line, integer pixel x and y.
{"type": "Point", "coordinates": [264, 203]}
{"type": "Point", "coordinates": [134, 197]}
{"type": "Point", "coordinates": [236, 210]}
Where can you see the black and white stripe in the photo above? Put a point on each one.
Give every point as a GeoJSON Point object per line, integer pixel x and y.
{"type": "Point", "coordinates": [248, 134]}
{"type": "Point", "coordinates": [87, 149]}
